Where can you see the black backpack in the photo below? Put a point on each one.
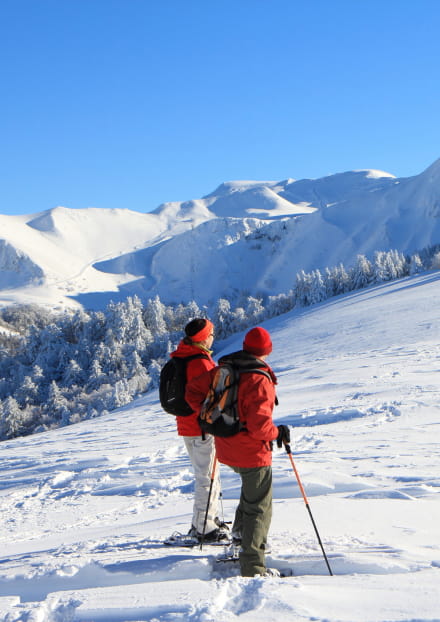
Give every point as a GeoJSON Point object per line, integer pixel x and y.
{"type": "Point", "coordinates": [172, 385]}
{"type": "Point", "coordinates": [219, 415]}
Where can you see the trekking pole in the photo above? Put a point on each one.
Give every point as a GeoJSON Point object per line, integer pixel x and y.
{"type": "Point", "coordinates": [209, 500]}
{"type": "Point", "coordinates": [301, 487]}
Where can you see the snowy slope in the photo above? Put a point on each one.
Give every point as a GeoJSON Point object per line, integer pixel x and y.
{"type": "Point", "coordinates": [84, 509]}
{"type": "Point", "coordinates": [246, 235]}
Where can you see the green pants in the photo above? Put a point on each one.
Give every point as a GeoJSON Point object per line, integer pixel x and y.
{"type": "Point", "coordinates": [253, 517]}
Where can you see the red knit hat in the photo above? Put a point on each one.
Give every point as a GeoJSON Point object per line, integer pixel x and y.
{"type": "Point", "coordinates": [257, 341]}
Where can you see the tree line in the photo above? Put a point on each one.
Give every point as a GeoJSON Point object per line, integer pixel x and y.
{"type": "Point", "coordinates": [60, 369]}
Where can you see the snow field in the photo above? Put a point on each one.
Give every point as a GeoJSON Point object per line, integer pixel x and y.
{"type": "Point", "coordinates": [84, 509]}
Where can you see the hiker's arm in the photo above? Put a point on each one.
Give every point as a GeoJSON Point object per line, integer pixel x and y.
{"type": "Point", "coordinates": [197, 389]}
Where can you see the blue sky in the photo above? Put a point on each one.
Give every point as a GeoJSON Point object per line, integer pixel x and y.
{"type": "Point", "coordinates": [131, 103]}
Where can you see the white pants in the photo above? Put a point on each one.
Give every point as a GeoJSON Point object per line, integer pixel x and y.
{"type": "Point", "coordinates": [202, 454]}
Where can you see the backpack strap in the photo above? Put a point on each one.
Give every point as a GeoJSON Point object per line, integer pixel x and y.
{"type": "Point", "coordinates": [192, 357]}
{"type": "Point", "coordinates": [238, 372]}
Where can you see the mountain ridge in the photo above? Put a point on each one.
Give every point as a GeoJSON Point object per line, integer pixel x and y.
{"type": "Point", "coordinates": [245, 235]}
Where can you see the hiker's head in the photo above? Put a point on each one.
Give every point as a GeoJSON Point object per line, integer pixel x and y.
{"type": "Point", "coordinates": [257, 341]}
{"type": "Point", "coordinates": [200, 330]}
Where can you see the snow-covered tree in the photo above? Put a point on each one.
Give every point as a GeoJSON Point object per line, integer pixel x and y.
{"type": "Point", "coordinates": [95, 377]}
{"type": "Point", "coordinates": [14, 419]}
{"type": "Point", "coordinates": [342, 283]}
{"type": "Point", "coordinates": [222, 318]}
{"type": "Point", "coordinates": [318, 291]}
{"type": "Point", "coordinates": [177, 318]}
{"type": "Point", "coordinates": [154, 317]}
{"type": "Point", "coordinates": [303, 286]}
{"type": "Point", "coordinates": [121, 394]}
{"type": "Point", "coordinates": [56, 406]}
{"type": "Point", "coordinates": [138, 379]}
{"type": "Point", "coordinates": [72, 374]}
{"type": "Point", "coordinates": [416, 265]}
{"type": "Point", "coordinates": [27, 392]}
{"type": "Point", "coordinates": [362, 273]}
{"type": "Point", "coordinates": [154, 370]}
{"type": "Point", "coordinates": [435, 263]}
{"type": "Point", "coordinates": [254, 310]}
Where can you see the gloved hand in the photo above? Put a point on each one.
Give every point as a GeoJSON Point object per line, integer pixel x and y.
{"type": "Point", "coordinates": [283, 435]}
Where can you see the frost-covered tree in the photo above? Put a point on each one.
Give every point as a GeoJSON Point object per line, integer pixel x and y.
{"type": "Point", "coordinates": [362, 273]}
{"type": "Point", "coordinates": [435, 263]}
{"type": "Point", "coordinates": [14, 419]}
{"type": "Point", "coordinates": [400, 263]}
{"type": "Point", "coordinates": [239, 322]}
{"type": "Point", "coordinates": [389, 266]}
{"type": "Point", "coordinates": [27, 392]}
{"type": "Point", "coordinates": [416, 265]}
{"type": "Point", "coordinates": [279, 304]}
{"type": "Point", "coordinates": [177, 318]}
{"type": "Point", "coordinates": [222, 318]}
{"type": "Point", "coordinates": [379, 268]}
{"type": "Point", "coordinates": [95, 377]}
{"type": "Point", "coordinates": [138, 378]}
{"type": "Point", "coordinates": [154, 370]}
{"type": "Point", "coordinates": [254, 310]}
{"type": "Point", "coordinates": [72, 374]}
{"type": "Point", "coordinates": [342, 283]}
{"type": "Point", "coordinates": [154, 317]}
{"type": "Point", "coordinates": [303, 287]}
{"type": "Point", "coordinates": [121, 394]}
{"type": "Point", "coordinates": [56, 406]}
{"type": "Point", "coordinates": [318, 291]}
{"type": "Point", "coordinates": [126, 322]}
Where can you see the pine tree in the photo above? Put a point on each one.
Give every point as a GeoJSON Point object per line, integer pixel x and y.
{"type": "Point", "coordinates": [154, 373]}
{"type": "Point", "coordinates": [416, 265]}
{"type": "Point", "coordinates": [435, 263]}
{"type": "Point", "coordinates": [154, 317]}
{"type": "Point", "coordinates": [362, 273]}
{"type": "Point", "coordinates": [222, 318]}
{"type": "Point", "coordinates": [379, 268]}
{"type": "Point", "coordinates": [14, 419]}
{"type": "Point", "coordinates": [27, 392]}
{"type": "Point", "coordinates": [254, 310]}
{"type": "Point", "coordinates": [342, 280]}
{"type": "Point", "coordinates": [277, 305]}
{"type": "Point", "coordinates": [56, 406]}
{"type": "Point", "coordinates": [95, 377]}
{"type": "Point", "coordinates": [303, 289]}
{"type": "Point", "coordinates": [121, 394]}
{"type": "Point", "coordinates": [318, 291]}
{"type": "Point", "coordinates": [72, 374]}
{"type": "Point", "coordinates": [138, 379]}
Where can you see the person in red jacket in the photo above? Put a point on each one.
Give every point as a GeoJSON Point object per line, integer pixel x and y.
{"type": "Point", "coordinates": [249, 452]}
{"type": "Point", "coordinates": [199, 336]}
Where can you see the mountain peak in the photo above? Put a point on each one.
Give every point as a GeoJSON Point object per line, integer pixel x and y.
{"type": "Point", "coordinates": [230, 187]}
{"type": "Point", "coordinates": [432, 173]}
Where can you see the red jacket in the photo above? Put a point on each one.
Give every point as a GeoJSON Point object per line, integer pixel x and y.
{"type": "Point", "coordinates": [256, 399]}
{"type": "Point", "coordinates": [188, 426]}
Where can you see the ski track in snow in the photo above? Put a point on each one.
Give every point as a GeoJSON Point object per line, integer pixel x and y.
{"type": "Point", "coordinates": [84, 509]}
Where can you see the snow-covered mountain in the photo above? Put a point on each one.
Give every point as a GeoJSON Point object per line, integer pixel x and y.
{"type": "Point", "coordinates": [84, 509]}
{"type": "Point", "coordinates": [246, 235]}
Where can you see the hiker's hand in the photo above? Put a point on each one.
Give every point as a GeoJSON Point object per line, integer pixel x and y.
{"type": "Point", "coordinates": [283, 435]}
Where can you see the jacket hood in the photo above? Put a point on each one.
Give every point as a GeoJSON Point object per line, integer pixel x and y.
{"type": "Point", "coordinates": [185, 349]}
